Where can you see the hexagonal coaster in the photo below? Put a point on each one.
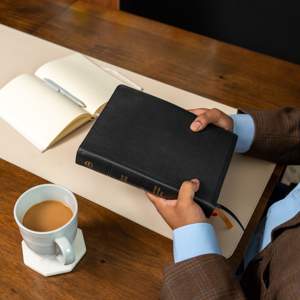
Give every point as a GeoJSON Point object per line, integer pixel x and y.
{"type": "Point", "coordinates": [49, 265]}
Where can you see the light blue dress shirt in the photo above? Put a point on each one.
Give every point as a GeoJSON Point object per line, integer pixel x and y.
{"type": "Point", "coordinates": [200, 238]}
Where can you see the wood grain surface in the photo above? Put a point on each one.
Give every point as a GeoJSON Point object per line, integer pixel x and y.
{"type": "Point", "coordinates": [226, 73]}
{"type": "Point", "coordinates": [123, 260]}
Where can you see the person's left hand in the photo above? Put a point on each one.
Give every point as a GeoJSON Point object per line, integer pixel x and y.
{"type": "Point", "coordinates": [183, 210]}
{"type": "Point", "coordinates": [205, 116]}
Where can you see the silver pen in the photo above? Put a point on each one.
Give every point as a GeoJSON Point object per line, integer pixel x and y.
{"type": "Point", "coordinates": [64, 92]}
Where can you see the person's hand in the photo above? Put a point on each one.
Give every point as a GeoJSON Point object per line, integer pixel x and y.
{"type": "Point", "coordinates": [210, 116]}
{"type": "Point", "coordinates": [182, 211]}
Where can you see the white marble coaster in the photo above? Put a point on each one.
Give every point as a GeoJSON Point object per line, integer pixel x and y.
{"type": "Point", "coordinates": [49, 265]}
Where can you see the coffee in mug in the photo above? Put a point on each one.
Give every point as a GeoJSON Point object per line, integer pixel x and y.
{"type": "Point", "coordinates": [48, 227]}
{"type": "Point", "coordinates": [47, 215]}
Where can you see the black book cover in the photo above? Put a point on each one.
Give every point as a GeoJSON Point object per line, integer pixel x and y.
{"type": "Point", "coordinates": [147, 142]}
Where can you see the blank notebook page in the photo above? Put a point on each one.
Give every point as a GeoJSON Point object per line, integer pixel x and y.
{"type": "Point", "coordinates": [82, 78]}
{"type": "Point", "coordinates": [35, 110]}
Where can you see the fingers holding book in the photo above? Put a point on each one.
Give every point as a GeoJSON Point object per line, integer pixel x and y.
{"type": "Point", "coordinates": [183, 210]}
{"type": "Point", "coordinates": [207, 116]}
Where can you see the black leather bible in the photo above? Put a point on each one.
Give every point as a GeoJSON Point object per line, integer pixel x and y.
{"type": "Point", "coordinates": [147, 142]}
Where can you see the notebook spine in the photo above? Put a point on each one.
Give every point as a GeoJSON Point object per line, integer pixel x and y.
{"type": "Point", "coordinates": [124, 174]}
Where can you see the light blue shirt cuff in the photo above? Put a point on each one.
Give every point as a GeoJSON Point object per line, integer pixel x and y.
{"type": "Point", "coordinates": [194, 240]}
{"type": "Point", "coordinates": [280, 212]}
{"type": "Point", "coordinates": [244, 128]}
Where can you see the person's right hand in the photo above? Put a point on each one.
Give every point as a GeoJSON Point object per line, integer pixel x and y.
{"type": "Point", "coordinates": [183, 210]}
{"type": "Point", "coordinates": [207, 116]}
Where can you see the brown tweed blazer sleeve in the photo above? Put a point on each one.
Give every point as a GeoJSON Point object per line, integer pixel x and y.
{"type": "Point", "coordinates": [206, 277]}
{"type": "Point", "coordinates": [277, 135]}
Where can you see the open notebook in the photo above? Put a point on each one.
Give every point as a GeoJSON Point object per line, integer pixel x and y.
{"type": "Point", "coordinates": [31, 105]}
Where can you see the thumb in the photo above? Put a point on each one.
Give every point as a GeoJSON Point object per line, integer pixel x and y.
{"type": "Point", "coordinates": [157, 201]}
{"type": "Point", "coordinates": [187, 191]}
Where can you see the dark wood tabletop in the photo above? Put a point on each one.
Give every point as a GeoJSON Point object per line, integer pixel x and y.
{"type": "Point", "coordinates": [125, 260]}
{"type": "Point", "coordinates": [226, 73]}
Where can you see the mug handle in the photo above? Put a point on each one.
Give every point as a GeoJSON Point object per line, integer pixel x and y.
{"type": "Point", "coordinates": [66, 249]}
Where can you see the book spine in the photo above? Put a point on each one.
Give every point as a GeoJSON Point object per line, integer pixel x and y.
{"type": "Point", "coordinates": [124, 174]}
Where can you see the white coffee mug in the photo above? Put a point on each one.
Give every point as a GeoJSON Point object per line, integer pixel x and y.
{"type": "Point", "coordinates": [55, 242]}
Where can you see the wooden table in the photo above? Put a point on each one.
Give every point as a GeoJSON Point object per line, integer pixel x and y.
{"type": "Point", "coordinates": [124, 260]}
{"type": "Point", "coordinates": [216, 70]}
